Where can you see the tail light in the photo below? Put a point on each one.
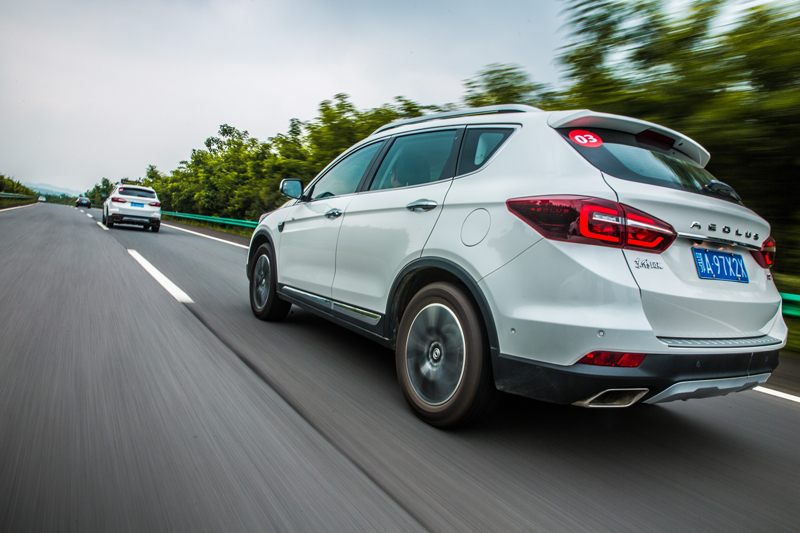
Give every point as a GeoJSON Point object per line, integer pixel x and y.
{"type": "Point", "coordinates": [619, 359]}
{"type": "Point", "coordinates": [119, 200]}
{"type": "Point", "coordinates": [766, 257]}
{"type": "Point", "coordinates": [593, 221]}
{"type": "Point", "coordinates": [155, 204]}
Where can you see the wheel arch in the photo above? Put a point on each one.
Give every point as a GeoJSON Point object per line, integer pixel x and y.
{"type": "Point", "coordinates": [424, 271]}
{"type": "Point", "coordinates": [259, 238]}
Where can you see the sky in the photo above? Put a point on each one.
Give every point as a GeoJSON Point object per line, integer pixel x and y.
{"type": "Point", "coordinates": [103, 88]}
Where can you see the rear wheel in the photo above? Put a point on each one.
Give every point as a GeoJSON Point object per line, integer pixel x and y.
{"type": "Point", "coordinates": [154, 228]}
{"type": "Point", "coordinates": [264, 299]}
{"type": "Point", "coordinates": [109, 222]}
{"type": "Point", "coordinates": [104, 217]}
{"type": "Point", "coordinates": [442, 358]}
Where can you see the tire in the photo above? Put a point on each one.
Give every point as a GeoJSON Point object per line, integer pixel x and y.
{"type": "Point", "coordinates": [155, 228]}
{"type": "Point", "coordinates": [109, 223]}
{"type": "Point", "coordinates": [104, 218]}
{"type": "Point", "coordinates": [442, 358]}
{"type": "Point", "coordinates": [264, 299]}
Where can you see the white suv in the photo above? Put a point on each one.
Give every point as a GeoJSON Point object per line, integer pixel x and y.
{"type": "Point", "coordinates": [573, 257]}
{"type": "Point", "coordinates": [133, 204]}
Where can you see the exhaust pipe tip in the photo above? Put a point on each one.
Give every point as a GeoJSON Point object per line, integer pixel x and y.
{"type": "Point", "coordinates": [614, 398]}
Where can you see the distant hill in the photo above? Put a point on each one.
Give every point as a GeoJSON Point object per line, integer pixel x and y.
{"type": "Point", "coordinates": [46, 188]}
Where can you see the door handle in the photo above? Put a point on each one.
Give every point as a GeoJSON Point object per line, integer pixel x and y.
{"type": "Point", "coordinates": [334, 213]}
{"type": "Point", "coordinates": [422, 205]}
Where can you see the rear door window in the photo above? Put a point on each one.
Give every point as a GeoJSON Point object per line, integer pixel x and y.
{"type": "Point", "coordinates": [417, 159]}
{"type": "Point", "coordinates": [647, 157]}
{"type": "Point", "coordinates": [480, 144]}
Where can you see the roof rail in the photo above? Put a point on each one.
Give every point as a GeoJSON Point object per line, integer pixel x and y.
{"type": "Point", "coordinates": [488, 110]}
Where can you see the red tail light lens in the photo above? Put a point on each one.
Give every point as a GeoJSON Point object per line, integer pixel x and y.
{"type": "Point", "coordinates": [155, 204]}
{"type": "Point", "coordinates": [620, 359]}
{"type": "Point", "coordinates": [646, 233]}
{"type": "Point", "coordinates": [766, 257]}
{"type": "Point", "coordinates": [119, 200]}
{"type": "Point", "coordinates": [593, 221]}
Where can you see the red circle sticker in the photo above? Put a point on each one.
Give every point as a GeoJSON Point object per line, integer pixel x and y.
{"type": "Point", "coordinates": [585, 138]}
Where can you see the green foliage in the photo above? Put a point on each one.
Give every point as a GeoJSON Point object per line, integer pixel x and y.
{"type": "Point", "coordinates": [96, 194]}
{"type": "Point", "coordinates": [14, 187]}
{"type": "Point", "coordinates": [506, 84]}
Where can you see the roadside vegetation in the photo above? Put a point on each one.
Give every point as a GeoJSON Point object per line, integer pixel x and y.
{"type": "Point", "coordinates": [729, 79]}
{"type": "Point", "coordinates": [10, 186]}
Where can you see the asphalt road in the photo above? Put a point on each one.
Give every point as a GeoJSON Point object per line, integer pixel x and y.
{"type": "Point", "coordinates": [123, 409]}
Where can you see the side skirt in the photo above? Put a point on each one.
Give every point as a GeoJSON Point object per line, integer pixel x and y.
{"type": "Point", "coordinates": [366, 323]}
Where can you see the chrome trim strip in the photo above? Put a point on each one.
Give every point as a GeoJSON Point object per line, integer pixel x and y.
{"type": "Point", "coordinates": [748, 342]}
{"type": "Point", "coordinates": [707, 238]}
{"type": "Point", "coordinates": [359, 314]}
{"type": "Point", "coordinates": [353, 312]}
{"type": "Point", "coordinates": [707, 388]}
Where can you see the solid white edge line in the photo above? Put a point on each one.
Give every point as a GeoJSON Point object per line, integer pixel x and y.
{"type": "Point", "coordinates": [206, 236]}
{"type": "Point", "coordinates": [18, 207]}
{"type": "Point", "coordinates": [102, 226]}
{"type": "Point", "coordinates": [173, 289]}
{"type": "Point", "coordinates": [778, 394]}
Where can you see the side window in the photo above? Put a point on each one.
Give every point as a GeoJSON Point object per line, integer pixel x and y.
{"type": "Point", "coordinates": [479, 145]}
{"type": "Point", "coordinates": [415, 160]}
{"type": "Point", "coordinates": [346, 175]}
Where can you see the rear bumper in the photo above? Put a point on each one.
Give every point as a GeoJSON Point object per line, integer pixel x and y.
{"type": "Point", "coordinates": [117, 218]}
{"type": "Point", "coordinates": [666, 377]}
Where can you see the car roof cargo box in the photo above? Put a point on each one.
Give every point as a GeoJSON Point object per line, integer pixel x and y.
{"type": "Point", "coordinates": [586, 118]}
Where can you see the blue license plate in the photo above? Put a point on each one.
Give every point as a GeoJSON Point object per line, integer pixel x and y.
{"type": "Point", "coordinates": [134, 204]}
{"type": "Point", "coordinates": [724, 266]}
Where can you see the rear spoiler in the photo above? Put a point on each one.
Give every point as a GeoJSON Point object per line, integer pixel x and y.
{"type": "Point", "coordinates": [589, 119]}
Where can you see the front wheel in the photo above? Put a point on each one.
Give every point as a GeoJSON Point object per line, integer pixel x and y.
{"type": "Point", "coordinates": [442, 358]}
{"type": "Point", "coordinates": [264, 299]}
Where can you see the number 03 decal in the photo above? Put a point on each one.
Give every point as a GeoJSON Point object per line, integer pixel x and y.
{"type": "Point", "coordinates": [585, 138]}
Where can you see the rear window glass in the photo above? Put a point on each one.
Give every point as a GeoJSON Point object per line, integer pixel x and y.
{"type": "Point", "coordinates": [139, 193]}
{"type": "Point", "coordinates": [644, 159]}
{"type": "Point", "coordinates": [479, 146]}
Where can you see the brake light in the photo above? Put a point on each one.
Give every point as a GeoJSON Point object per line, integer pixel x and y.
{"type": "Point", "coordinates": [593, 221]}
{"type": "Point", "coordinates": [619, 359]}
{"type": "Point", "coordinates": [155, 204]}
{"type": "Point", "coordinates": [766, 257]}
{"type": "Point", "coordinates": [119, 200]}
{"type": "Point", "coordinates": [646, 233]}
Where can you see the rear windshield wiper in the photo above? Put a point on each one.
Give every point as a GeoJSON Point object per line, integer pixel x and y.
{"type": "Point", "coordinates": [721, 190]}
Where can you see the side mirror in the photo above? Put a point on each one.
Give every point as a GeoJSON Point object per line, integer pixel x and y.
{"type": "Point", "coordinates": [292, 188]}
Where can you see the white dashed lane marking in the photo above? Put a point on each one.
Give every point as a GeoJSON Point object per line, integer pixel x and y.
{"type": "Point", "coordinates": [165, 282]}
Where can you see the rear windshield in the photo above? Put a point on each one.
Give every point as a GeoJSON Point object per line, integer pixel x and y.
{"type": "Point", "coordinates": [645, 158]}
{"type": "Point", "coordinates": [139, 193]}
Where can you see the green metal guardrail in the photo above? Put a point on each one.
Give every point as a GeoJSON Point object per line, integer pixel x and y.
{"type": "Point", "coordinates": [213, 220]}
{"type": "Point", "coordinates": [14, 196]}
{"type": "Point", "coordinates": [791, 304]}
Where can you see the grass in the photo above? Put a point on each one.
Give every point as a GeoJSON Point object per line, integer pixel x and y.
{"type": "Point", "coordinates": [13, 202]}
{"type": "Point", "coordinates": [234, 230]}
